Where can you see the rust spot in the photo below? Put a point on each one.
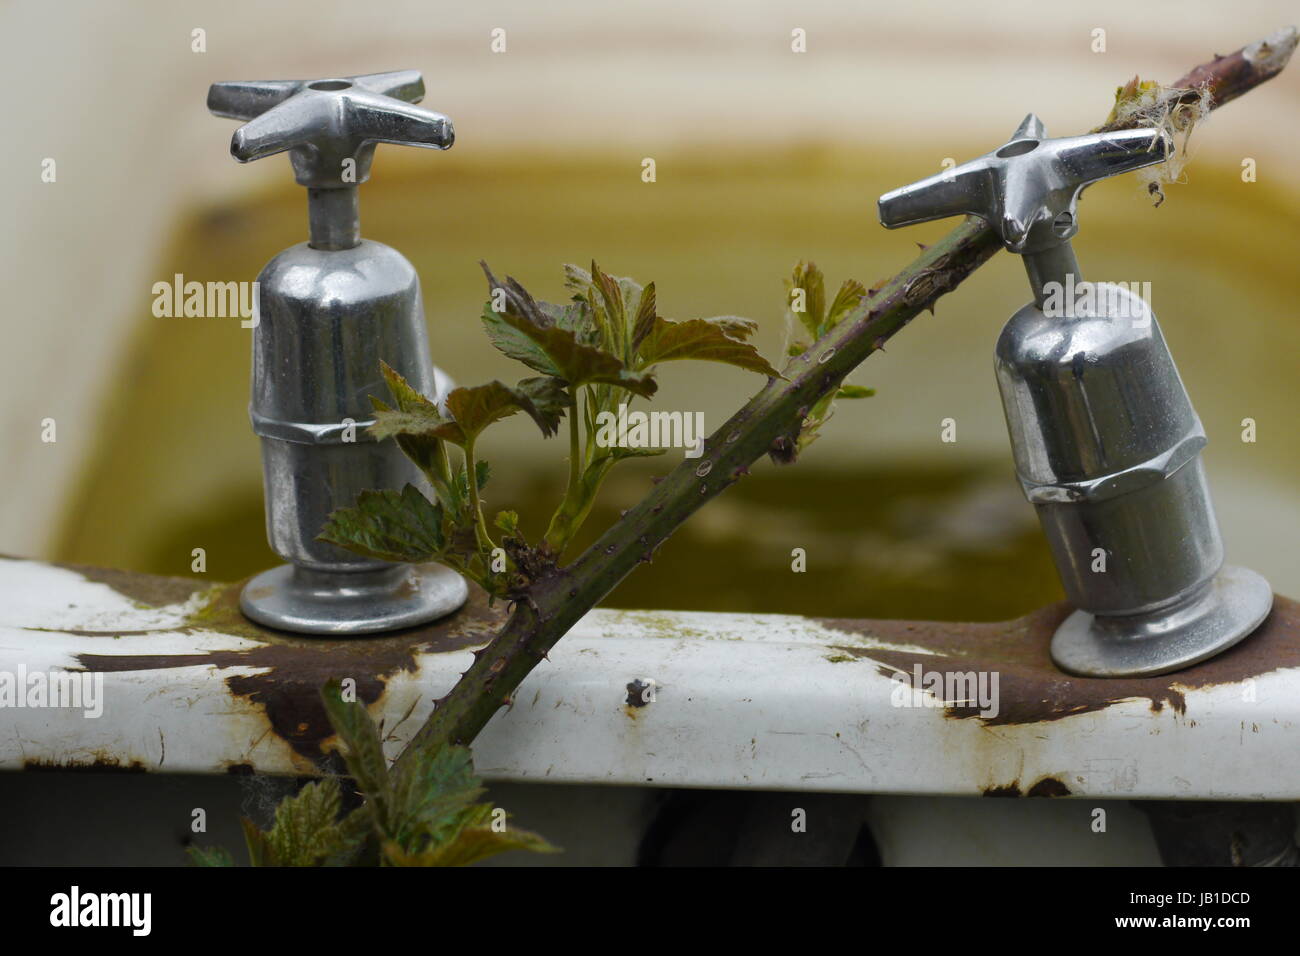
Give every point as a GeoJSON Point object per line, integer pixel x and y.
{"type": "Point", "coordinates": [1032, 689]}
{"type": "Point", "coordinates": [636, 693]}
{"type": "Point", "coordinates": [1010, 790]}
{"type": "Point", "coordinates": [294, 667]}
{"type": "Point", "coordinates": [1049, 787]}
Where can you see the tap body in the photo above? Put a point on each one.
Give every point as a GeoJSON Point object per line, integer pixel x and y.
{"type": "Point", "coordinates": [327, 319]}
{"type": "Point", "coordinates": [1106, 443]}
{"type": "Point", "coordinates": [329, 311]}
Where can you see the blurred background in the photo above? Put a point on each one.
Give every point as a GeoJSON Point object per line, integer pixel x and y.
{"type": "Point", "coordinates": [763, 157]}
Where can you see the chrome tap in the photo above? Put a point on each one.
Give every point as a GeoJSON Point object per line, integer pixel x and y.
{"type": "Point", "coordinates": [1106, 443]}
{"type": "Point", "coordinates": [328, 310]}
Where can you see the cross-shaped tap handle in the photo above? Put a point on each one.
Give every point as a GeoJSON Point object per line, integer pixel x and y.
{"type": "Point", "coordinates": [1027, 189]}
{"type": "Point", "coordinates": [330, 126]}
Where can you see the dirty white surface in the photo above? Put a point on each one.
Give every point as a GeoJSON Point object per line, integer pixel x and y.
{"type": "Point", "coordinates": [739, 701]}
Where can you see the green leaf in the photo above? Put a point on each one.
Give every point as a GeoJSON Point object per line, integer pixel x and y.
{"type": "Point", "coordinates": [259, 850]}
{"type": "Point", "coordinates": [470, 410]}
{"type": "Point", "coordinates": [306, 826]}
{"type": "Point", "coordinates": [361, 748]}
{"type": "Point", "coordinates": [389, 525]}
{"type": "Point", "coordinates": [850, 296]}
{"type": "Point", "coordinates": [854, 391]}
{"type": "Point", "coordinates": [424, 450]}
{"type": "Point", "coordinates": [511, 341]}
{"type": "Point", "coordinates": [477, 407]}
{"type": "Point", "coordinates": [579, 364]}
{"type": "Point", "coordinates": [552, 349]}
{"type": "Point", "coordinates": [734, 325]}
{"type": "Point", "coordinates": [583, 283]}
{"type": "Point", "coordinates": [508, 521]}
{"type": "Point", "coordinates": [413, 422]}
{"type": "Point", "coordinates": [643, 325]}
{"type": "Point", "coordinates": [611, 294]}
{"type": "Point", "coordinates": [808, 278]}
{"type": "Point", "coordinates": [431, 796]}
{"type": "Point", "coordinates": [477, 839]}
{"type": "Point", "coordinates": [407, 398]}
{"type": "Point", "coordinates": [209, 856]}
{"type": "Point", "coordinates": [550, 401]}
{"type": "Point", "coordinates": [482, 471]}
{"type": "Point", "coordinates": [699, 339]}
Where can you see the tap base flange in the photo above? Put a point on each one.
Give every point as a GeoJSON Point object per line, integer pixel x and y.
{"type": "Point", "coordinates": [338, 604]}
{"type": "Point", "coordinates": [1225, 611]}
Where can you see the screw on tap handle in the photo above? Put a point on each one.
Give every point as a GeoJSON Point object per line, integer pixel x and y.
{"type": "Point", "coordinates": [1028, 188]}
{"type": "Point", "coordinates": [330, 126]}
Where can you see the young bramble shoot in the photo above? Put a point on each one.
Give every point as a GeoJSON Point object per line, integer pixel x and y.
{"type": "Point", "coordinates": [428, 813]}
{"type": "Point", "coordinates": [806, 307]}
{"type": "Point", "coordinates": [594, 353]}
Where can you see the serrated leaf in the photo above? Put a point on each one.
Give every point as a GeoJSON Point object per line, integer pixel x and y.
{"type": "Point", "coordinates": [582, 283]}
{"type": "Point", "coordinates": [259, 851]}
{"type": "Point", "coordinates": [471, 409]}
{"type": "Point", "coordinates": [414, 423]}
{"type": "Point", "coordinates": [306, 829]}
{"type": "Point", "coordinates": [424, 450]}
{"type": "Point", "coordinates": [431, 796]}
{"type": "Point", "coordinates": [476, 407]}
{"type": "Point", "coordinates": [699, 339]}
{"type": "Point", "coordinates": [360, 747]}
{"type": "Point", "coordinates": [389, 525]}
{"type": "Point", "coordinates": [406, 396]}
{"type": "Point", "coordinates": [209, 856]}
{"type": "Point", "coordinates": [549, 348]}
{"type": "Point", "coordinates": [579, 364]}
{"type": "Point", "coordinates": [848, 298]}
{"type": "Point", "coordinates": [734, 325]}
{"type": "Point", "coordinates": [550, 401]}
{"type": "Point", "coordinates": [611, 297]}
{"type": "Point", "coordinates": [478, 840]}
{"type": "Point", "coordinates": [808, 278]}
{"type": "Point", "coordinates": [511, 341]}
{"type": "Point", "coordinates": [643, 325]}
{"type": "Point", "coordinates": [507, 521]}
{"type": "Point", "coordinates": [574, 316]}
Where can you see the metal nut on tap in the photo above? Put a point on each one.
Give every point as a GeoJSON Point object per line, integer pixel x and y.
{"type": "Point", "coordinates": [329, 311]}
{"type": "Point", "coordinates": [1106, 443]}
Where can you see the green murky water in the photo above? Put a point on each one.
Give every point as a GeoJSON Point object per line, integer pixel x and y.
{"type": "Point", "coordinates": [922, 536]}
